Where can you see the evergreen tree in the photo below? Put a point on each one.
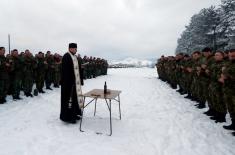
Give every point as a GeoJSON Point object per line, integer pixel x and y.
{"type": "Point", "coordinates": [228, 9]}
{"type": "Point", "coordinates": [211, 27]}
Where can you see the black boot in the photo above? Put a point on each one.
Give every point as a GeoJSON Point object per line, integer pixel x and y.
{"type": "Point", "coordinates": [188, 96]}
{"type": "Point", "coordinates": [231, 126]}
{"type": "Point", "coordinates": [18, 98]}
{"type": "Point", "coordinates": [56, 86]}
{"type": "Point", "coordinates": [48, 88]}
{"type": "Point", "coordinates": [31, 95]}
{"type": "Point", "coordinates": [183, 92]}
{"type": "Point", "coordinates": [233, 133]}
{"type": "Point", "coordinates": [179, 90]}
{"type": "Point", "coordinates": [2, 101]}
{"type": "Point", "coordinates": [219, 117]}
{"type": "Point", "coordinates": [201, 105]}
{"type": "Point", "coordinates": [193, 98]}
{"type": "Point", "coordinates": [173, 86]}
{"type": "Point", "coordinates": [210, 112]}
{"type": "Point", "coordinates": [214, 116]}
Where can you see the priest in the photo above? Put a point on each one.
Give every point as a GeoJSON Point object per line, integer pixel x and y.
{"type": "Point", "coordinates": [71, 81]}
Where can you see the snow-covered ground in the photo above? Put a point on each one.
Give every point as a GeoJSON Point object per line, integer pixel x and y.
{"type": "Point", "coordinates": [155, 121]}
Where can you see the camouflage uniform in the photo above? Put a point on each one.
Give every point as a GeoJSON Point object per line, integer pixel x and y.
{"type": "Point", "coordinates": [229, 91]}
{"type": "Point", "coordinates": [204, 80]}
{"type": "Point", "coordinates": [89, 69]}
{"type": "Point", "coordinates": [17, 76]}
{"type": "Point", "coordinates": [179, 75]}
{"type": "Point", "coordinates": [28, 80]}
{"type": "Point", "coordinates": [215, 92]}
{"type": "Point", "coordinates": [195, 89]}
{"type": "Point", "coordinates": [40, 74]}
{"type": "Point", "coordinates": [85, 70]}
{"type": "Point", "coordinates": [93, 68]}
{"type": "Point", "coordinates": [104, 67]}
{"type": "Point", "coordinates": [171, 65]}
{"type": "Point", "coordinates": [188, 78]}
{"type": "Point", "coordinates": [57, 72]}
{"type": "Point", "coordinates": [4, 78]}
{"type": "Point", "coordinates": [50, 71]}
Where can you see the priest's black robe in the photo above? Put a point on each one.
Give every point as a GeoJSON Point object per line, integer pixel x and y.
{"type": "Point", "coordinates": [68, 89]}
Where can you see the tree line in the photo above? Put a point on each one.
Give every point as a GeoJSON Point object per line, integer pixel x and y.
{"type": "Point", "coordinates": [212, 27]}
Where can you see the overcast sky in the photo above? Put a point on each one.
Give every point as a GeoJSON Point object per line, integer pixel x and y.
{"type": "Point", "coordinates": [111, 29]}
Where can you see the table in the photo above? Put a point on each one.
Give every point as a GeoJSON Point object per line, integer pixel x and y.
{"type": "Point", "coordinates": [96, 94]}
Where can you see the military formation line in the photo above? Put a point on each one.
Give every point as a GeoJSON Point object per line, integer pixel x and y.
{"type": "Point", "coordinates": [19, 72]}
{"type": "Point", "coordinates": [205, 77]}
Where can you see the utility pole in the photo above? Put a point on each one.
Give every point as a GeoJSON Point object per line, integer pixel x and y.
{"type": "Point", "coordinates": [9, 43]}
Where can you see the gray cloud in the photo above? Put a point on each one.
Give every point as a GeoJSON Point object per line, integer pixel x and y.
{"type": "Point", "coordinates": [112, 29]}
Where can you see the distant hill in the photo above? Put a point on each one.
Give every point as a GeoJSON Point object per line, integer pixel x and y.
{"type": "Point", "coordinates": [132, 62]}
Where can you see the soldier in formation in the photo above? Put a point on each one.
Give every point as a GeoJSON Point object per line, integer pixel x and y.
{"type": "Point", "coordinates": [4, 75]}
{"type": "Point", "coordinates": [93, 67]}
{"type": "Point", "coordinates": [204, 77]}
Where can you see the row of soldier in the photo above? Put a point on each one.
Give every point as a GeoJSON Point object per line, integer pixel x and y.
{"type": "Point", "coordinates": [206, 77]}
{"type": "Point", "coordinates": [19, 72]}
